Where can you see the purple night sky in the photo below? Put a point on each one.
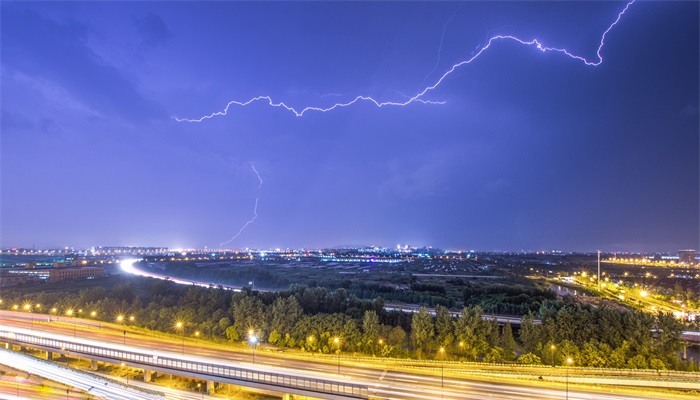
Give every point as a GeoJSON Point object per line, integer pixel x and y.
{"type": "Point", "coordinates": [531, 150]}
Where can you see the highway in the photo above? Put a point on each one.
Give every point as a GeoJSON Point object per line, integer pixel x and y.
{"type": "Point", "coordinates": [392, 382]}
{"type": "Point", "coordinates": [99, 387]}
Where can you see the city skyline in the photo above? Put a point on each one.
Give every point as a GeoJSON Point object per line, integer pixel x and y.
{"type": "Point", "coordinates": [517, 149]}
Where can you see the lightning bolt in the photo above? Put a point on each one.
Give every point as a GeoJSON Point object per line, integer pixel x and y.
{"type": "Point", "coordinates": [442, 38]}
{"type": "Point", "coordinates": [418, 98]}
{"type": "Point", "coordinates": [255, 210]}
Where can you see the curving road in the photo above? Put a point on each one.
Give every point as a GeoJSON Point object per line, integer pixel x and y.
{"type": "Point", "coordinates": [392, 382]}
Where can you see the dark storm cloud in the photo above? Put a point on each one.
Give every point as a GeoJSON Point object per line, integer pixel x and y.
{"type": "Point", "coordinates": [531, 150]}
{"type": "Point", "coordinates": [59, 52]}
{"type": "Point", "coordinates": [153, 30]}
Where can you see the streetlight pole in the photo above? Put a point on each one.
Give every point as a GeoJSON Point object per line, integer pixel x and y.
{"type": "Point", "coordinates": [599, 272]}
{"type": "Point", "coordinates": [70, 313]}
{"type": "Point", "coordinates": [253, 340]}
{"type": "Point", "coordinates": [337, 343]}
{"type": "Point", "coordinates": [442, 367]}
{"type": "Point", "coordinates": [552, 348]}
{"type": "Point", "coordinates": [120, 319]}
{"type": "Point", "coordinates": [568, 362]}
{"type": "Point", "coordinates": [180, 326]}
{"type": "Point", "coordinates": [442, 373]}
{"type": "Point", "coordinates": [28, 308]}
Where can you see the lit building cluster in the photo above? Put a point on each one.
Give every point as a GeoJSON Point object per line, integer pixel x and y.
{"type": "Point", "coordinates": [685, 258]}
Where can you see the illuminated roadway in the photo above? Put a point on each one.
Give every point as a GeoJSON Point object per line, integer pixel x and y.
{"type": "Point", "coordinates": [385, 383]}
{"type": "Point", "coordinates": [91, 384]}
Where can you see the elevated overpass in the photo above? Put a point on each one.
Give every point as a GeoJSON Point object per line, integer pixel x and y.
{"type": "Point", "coordinates": [169, 363]}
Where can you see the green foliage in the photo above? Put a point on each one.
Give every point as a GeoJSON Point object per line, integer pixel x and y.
{"type": "Point", "coordinates": [232, 333]}
{"type": "Point", "coordinates": [603, 337]}
{"type": "Point", "coordinates": [444, 327]}
{"type": "Point", "coordinates": [370, 329]}
{"type": "Point", "coordinates": [495, 355]}
{"type": "Point", "coordinates": [530, 359]}
{"type": "Point", "coordinates": [248, 315]}
{"type": "Point", "coordinates": [529, 335]}
{"type": "Point", "coordinates": [422, 330]}
{"type": "Point", "coordinates": [275, 337]}
{"type": "Point", "coordinates": [471, 330]}
{"type": "Point", "coordinates": [508, 343]}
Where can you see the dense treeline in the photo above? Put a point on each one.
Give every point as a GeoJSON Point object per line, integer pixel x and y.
{"type": "Point", "coordinates": [604, 337]}
{"type": "Point", "coordinates": [311, 318]}
{"type": "Point", "coordinates": [428, 294]}
{"type": "Point", "coordinates": [505, 299]}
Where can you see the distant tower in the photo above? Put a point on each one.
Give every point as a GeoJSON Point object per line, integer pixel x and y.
{"type": "Point", "coordinates": [599, 277]}
{"type": "Point", "coordinates": [686, 256]}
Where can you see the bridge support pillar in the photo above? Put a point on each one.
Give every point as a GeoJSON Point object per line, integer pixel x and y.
{"type": "Point", "coordinates": [685, 351]}
{"type": "Point", "coordinates": [210, 387]}
{"type": "Point", "coordinates": [147, 375]}
{"type": "Point", "coordinates": [49, 355]}
{"type": "Point", "coordinates": [93, 365]}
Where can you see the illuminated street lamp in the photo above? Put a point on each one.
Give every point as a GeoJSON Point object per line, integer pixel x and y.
{"type": "Point", "coordinates": [336, 340]}
{"type": "Point", "coordinates": [180, 326]}
{"type": "Point", "coordinates": [28, 308]}
{"type": "Point", "coordinates": [120, 319]}
{"type": "Point", "coordinates": [70, 313]}
{"type": "Point", "coordinates": [93, 314]}
{"type": "Point", "coordinates": [253, 341]}
{"type": "Point", "coordinates": [552, 347]}
{"type": "Point", "coordinates": [442, 369]}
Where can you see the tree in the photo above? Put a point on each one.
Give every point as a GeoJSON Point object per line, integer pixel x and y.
{"type": "Point", "coordinates": [656, 364]}
{"type": "Point", "coordinates": [351, 335]}
{"type": "Point", "coordinates": [528, 332]}
{"type": "Point", "coordinates": [274, 337]}
{"type": "Point", "coordinates": [668, 335]}
{"type": "Point", "coordinates": [444, 328]}
{"type": "Point", "coordinates": [637, 328]}
{"type": "Point", "coordinates": [471, 331]}
{"type": "Point", "coordinates": [638, 362]}
{"type": "Point", "coordinates": [284, 314]}
{"type": "Point", "coordinates": [248, 314]}
{"type": "Point", "coordinates": [530, 359]}
{"type": "Point", "coordinates": [609, 325]}
{"type": "Point", "coordinates": [370, 329]}
{"type": "Point", "coordinates": [489, 330]}
{"type": "Point", "coordinates": [397, 337]}
{"type": "Point", "coordinates": [508, 343]}
{"type": "Point", "coordinates": [618, 357]}
{"type": "Point", "coordinates": [232, 333]}
{"type": "Point", "coordinates": [569, 350]}
{"type": "Point", "coordinates": [495, 355]}
{"type": "Point", "coordinates": [591, 356]}
{"type": "Point", "coordinates": [422, 330]}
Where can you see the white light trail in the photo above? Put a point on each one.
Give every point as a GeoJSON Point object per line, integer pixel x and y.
{"type": "Point", "coordinates": [418, 98]}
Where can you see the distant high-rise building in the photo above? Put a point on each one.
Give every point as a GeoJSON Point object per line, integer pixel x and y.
{"type": "Point", "coordinates": [686, 256]}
